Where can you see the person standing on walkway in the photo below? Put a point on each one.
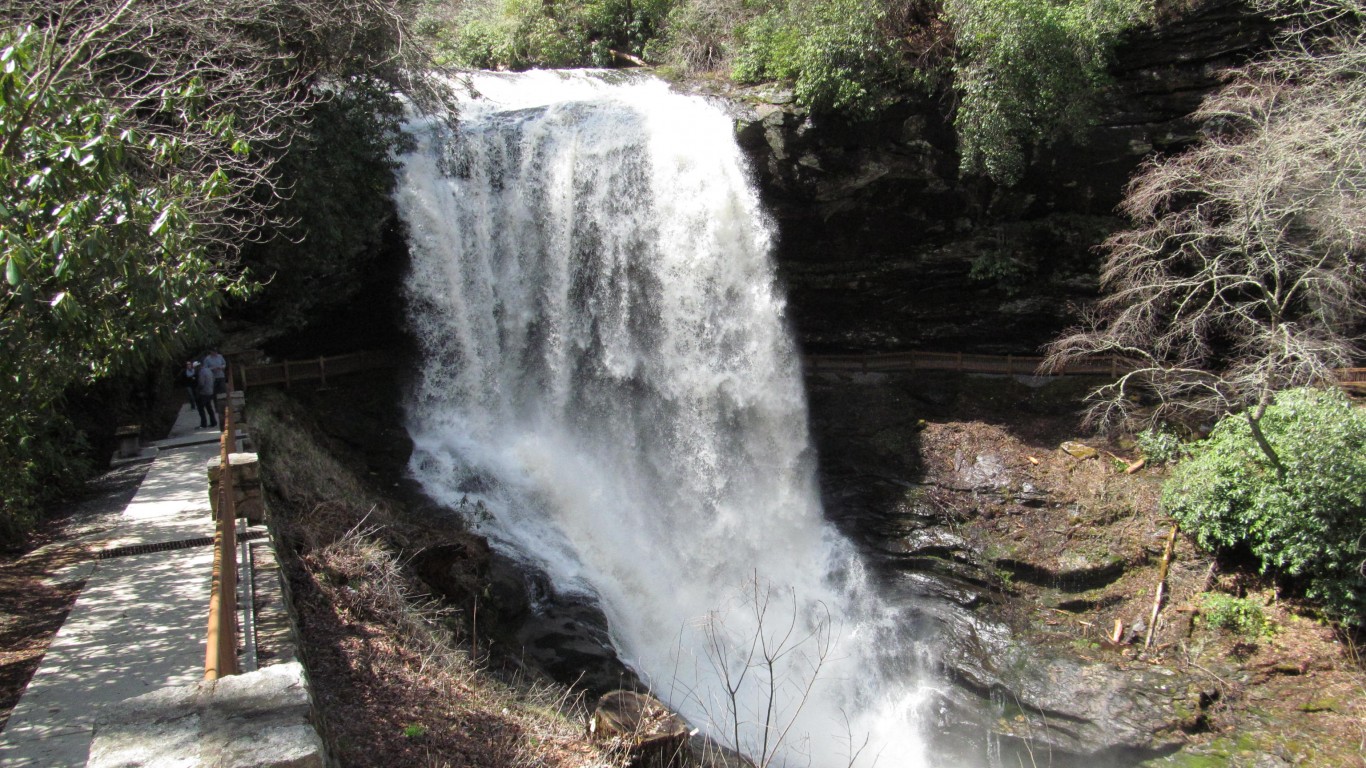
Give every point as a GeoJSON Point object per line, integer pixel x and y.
{"type": "Point", "coordinates": [187, 377]}
{"type": "Point", "coordinates": [204, 386]}
{"type": "Point", "coordinates": [219, 366]}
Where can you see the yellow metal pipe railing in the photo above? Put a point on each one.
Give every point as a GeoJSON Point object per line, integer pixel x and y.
{"type": "Point", "coordinates": [220, 657]}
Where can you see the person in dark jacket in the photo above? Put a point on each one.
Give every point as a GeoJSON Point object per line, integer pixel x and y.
{"type": "Point", "coordinates": [187, 377]}
{"type": "Point", "coordinates": [204, 386]}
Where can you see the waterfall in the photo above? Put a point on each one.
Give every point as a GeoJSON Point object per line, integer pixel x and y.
{"type": "Point", "coordinates": [608, 379]}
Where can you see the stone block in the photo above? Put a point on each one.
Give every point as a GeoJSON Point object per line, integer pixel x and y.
{"type": "Point", "coordinates": [130, 440]}
{"type": "Point", "coordinates": [257, 720]}
{"type": "Point", "coordinates": [246, 480]}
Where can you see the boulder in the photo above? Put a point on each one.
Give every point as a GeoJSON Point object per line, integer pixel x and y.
{"type": "Point", "coordinates": [1077, 711]}
{"type": "Point", "coordinates": [457, 570]}
{"type": "Point", "coordinates": [1079, 450]}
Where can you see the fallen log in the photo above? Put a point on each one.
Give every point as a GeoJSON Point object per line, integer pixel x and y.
{"type": "Point", "coordinates": [1161, 587]}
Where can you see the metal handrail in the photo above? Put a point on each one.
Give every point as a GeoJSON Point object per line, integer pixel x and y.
{"type": "Point", "coordinates": [220, 656]}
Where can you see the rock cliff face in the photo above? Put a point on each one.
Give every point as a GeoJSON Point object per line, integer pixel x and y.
{"type": "Point", "coordinates": [885, 245]}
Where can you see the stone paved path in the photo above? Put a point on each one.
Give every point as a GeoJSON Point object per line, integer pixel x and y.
{"type": "Point", "coordinates": [139, 623]}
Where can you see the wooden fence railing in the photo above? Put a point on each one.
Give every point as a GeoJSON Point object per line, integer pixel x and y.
{"type": "Point", "coordinates": [961, 361]}
{"type": "Point", "coordinates": [1353, 380]}
{"type": "Point", "coordinates": [317, 369]}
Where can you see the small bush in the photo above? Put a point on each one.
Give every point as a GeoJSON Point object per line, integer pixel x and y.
{"type": "Point", "coordinates": [1235, 614]}
{"type": "Point", "coordinates": [1307, 522]}
{"type": "Point", "coordinates": [1160, 445]}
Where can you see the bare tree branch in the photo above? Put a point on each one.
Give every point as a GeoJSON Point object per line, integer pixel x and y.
{"type": "Point", "coordinates": [1242, 271]}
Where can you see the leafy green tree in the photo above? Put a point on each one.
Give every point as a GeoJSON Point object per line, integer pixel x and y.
{"type": "Point", "coordinates": [102, 269]}
{"type": "Point", "coordinates": [520, 34]}
{"type": "Point", "coordinates": [1027, 71]}
{"type": "Point", "coordinates": [139, 144]}
{"type": "Point", "coordinates": [1306, 518]}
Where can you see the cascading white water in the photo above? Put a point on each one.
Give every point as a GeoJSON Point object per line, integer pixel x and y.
{"type": "Point", "coordinates": [608, 371]}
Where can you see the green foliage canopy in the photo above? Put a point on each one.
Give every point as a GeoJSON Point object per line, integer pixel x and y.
{"type": "Point", "coordinates": [140, 147]}
{"type": "Point", "coordinates": [833, 52]}
{"type": "Point", "coordinates": [1025, 71]}
{"type": "Point", "coordinates": [520, 34]}
{"type": "Point", "coordinates": [1307, 522]}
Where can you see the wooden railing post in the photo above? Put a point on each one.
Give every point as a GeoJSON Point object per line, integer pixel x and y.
{"type": "Point", "coordinates": [220, 657]}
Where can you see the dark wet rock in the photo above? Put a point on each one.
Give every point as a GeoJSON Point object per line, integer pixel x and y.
{"type": "Point", "coordinates": [963, 593]}
{"type": "Point", "coordinates": [568, 640]}
{"type": "Point", "coordinates": [1007, 696]}
{"type": "Point", "coordinates": [457, 571]}
{"type": "Point", "coordinates": [506, 589]}
{"type": "Point", "coordinates": [515, 607]}
{"type": "Point", "coordinates": [468, 573]}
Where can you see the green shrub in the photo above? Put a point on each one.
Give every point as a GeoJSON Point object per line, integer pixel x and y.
{"type": "Point", "coordinates": [1160, 445]}
{"type": "Point", "coordinates": [1235, 614]}
{"type": "Point", "coordinates": [1307, 522]}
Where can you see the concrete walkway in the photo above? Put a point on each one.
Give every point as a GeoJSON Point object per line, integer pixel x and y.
{"type": "Point", "coordinates": [139, 623]}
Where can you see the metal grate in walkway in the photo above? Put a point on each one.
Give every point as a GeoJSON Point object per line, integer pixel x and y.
{"type": "Point", "coordinates": [166, 546]}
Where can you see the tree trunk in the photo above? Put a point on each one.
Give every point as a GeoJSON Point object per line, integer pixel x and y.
{"type": "Point", "coordinates": [1254, 421]}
